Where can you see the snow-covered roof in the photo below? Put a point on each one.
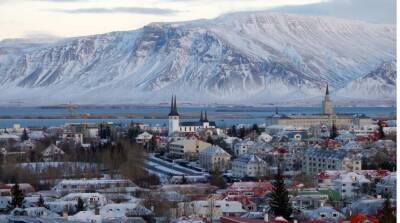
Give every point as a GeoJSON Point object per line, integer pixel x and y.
{"type": "Point", "coordinates": [265, 137]}
{"type": "Point", "coordinates": [84, 196]}
{"type": "Point", "coordinates": [249, 158]}
{"type": "Point", "coordinates": [389, 179]}
{"type": "Point", "coordinates": [85, 216]}
{"type": "Point", "coordinates": [214, 150]}
{"type": "Point", "coordinates": [352, 177]}
{"type": "Point", "coordinates": [144, 135]}
{"type": "Point", "coordinates": [6, 136]}
{"type": "Point", "coordinates": [352, 145]}
{"type": "Point", "coordinates": [52, 150]}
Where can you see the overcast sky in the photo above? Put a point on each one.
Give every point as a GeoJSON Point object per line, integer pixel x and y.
{"type": "Point", "coordinates": [42, 18]}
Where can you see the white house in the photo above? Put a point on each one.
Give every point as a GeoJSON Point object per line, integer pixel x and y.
{"type": "Point", "coordinates": [249, 165]}
{"type": "Point", "coordinates": [86, 216]}
{"type": "Point", "coordinates": [351, 185]}
{"type": "Point", "coordinates": [211, 208]}
{"type": "Point", "coordinates": [214, 157]}
{"type": "Point", "coordinates": [326, 213]}
{"type": "Point", "coordinates": [143, 138]}
{"type": "Point", "coordinates": [52, 152]}
{"type": "Point", "coordinates": [90, 199]}
{"type": "Point", "coordinates": [387, 185]}
{"type": "Point", "coordinates": [242, 147]}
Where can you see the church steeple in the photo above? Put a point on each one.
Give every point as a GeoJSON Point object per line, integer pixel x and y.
{"type": "Point", "coordinates": [327, 90]}
{"type": "Point", "coordinates": [205, 116]}
{"type": "Point", "coordinates": [327, 106]}
{"type": "Point", "coordinates": [174, 110]}
{"type": "Point", "coordinates": [201, 116]}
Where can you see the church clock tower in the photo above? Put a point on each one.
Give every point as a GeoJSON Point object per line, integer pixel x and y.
{"type": "Point", "coordinates": [327, 107]}
{"type": "Point", "coordinates": [173, 117]}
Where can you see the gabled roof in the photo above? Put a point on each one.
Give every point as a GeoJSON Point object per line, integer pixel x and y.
{"type": "Point", "coordinates": [214, 150]}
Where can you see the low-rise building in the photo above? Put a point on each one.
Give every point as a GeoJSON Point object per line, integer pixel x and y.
{"type": "Point", "coordinates": [214, 209]}
{"type": "Point", "coordinates": [187, 148]}
{"type": "Point", "coordinates": [52, 153]}
{"type": "Point", "coordinates": [243, 147]}
{"type": "Point", "coordinates": [213, 158]}
{"type": "Point", "coordinates": [387, 185]}
{"type": "Point", "coordinates": [317, 160]}
{"type": "Point", "coordinates": [249, 165]}
{"type": "Point", "coordinates": [143, 138]}
{"type": "Point", "coordinates": [83, 185]}
{"type": "Point", "coordinates": [351, 185]}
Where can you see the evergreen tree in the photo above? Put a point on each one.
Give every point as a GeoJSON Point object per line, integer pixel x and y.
{"type": "Point", "coordinates": [40, 202]}
{"type": "Point", "coordinates": [152, 146]}
{"type": "Point", "coordinates": [333, 132]}
{"type": "Point", "coordinates": [17, 198]}
{"type": "Point", "coordinates": [80, 205]}
{"type": "Point", "coordinates": [217, 179]}
{"type": "Point", "coordinates": [184, 180]}
{"type": "Point", "coordinates": [387, 213]}
{"type": "Point", "coordinates": [381, 133]}
{"type": "Point", "coordinates": [210, 140]}
{"type": "Point", "coordinates": [256, 128]}
{"type": "Point", "coordinates": [279, 200]}
{"type": "Point", "coordinates": [234, 131]}
{"type": "Point", "coordinates": [24, 135]}
{"type": "Point", "coordinates": [242, 133]}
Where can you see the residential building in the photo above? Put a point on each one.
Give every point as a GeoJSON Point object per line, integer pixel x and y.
{"type": "Point", "coordinates": [243, 147]}
{"type": "Point", "coordinates": [52, 153]}
{"type": "Point", "coordinates": [249, 165]}
{"type": "Point", "coordinates": [187, 148]}
{"type": "Point", "coordinates": [211, 208]}
{"type": "Point", "coordinates": [82, 185]}
{"type": "Point", "coordinates": [143, 138]}
{"type": "Point", "coordinates": [351, 185]}
{"type": "Point", "coordinates": [387, 185]}
{"type": "Point", "coordinates": [317, 160]}
{"type": "Point", "coordinates": [213, 158]}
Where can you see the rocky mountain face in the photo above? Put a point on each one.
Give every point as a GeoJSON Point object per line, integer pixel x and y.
{"type": "Point", "coordinates": [380, 83]}
{"type": "Point", "coordinates": [238, 58]}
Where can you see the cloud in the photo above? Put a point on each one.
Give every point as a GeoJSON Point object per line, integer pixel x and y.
{"type": "Point", "coordinates": [375, 11]}
{"type": "Point", "coordinates": [132, 10]}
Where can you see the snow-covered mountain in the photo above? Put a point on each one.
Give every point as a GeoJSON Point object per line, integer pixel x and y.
{"type": "Point", "coordinates": [377, 84]}
{"type": "Point", "coordinates": [254, 57]}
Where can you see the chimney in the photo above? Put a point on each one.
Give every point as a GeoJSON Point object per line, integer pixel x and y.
{"type": "Point", "coordinates": [266, 217]}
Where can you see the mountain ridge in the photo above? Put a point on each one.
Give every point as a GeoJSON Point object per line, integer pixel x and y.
{"type": "Point", "coordinates": [261, 57]}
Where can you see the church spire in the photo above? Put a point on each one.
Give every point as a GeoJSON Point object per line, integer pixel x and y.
{"type": "Point", "coordinates": [201, 116]}
{"type": "Point", "coordinates": [174, 110]}
{"type": "Point", "coordinates": [327, 89]}
{"type": "Point", "coordinates": [205, 116]}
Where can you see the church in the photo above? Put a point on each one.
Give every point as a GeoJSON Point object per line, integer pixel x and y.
{"type": "Point", "coordinates": [326, 117]}
{"type": "Point", "coordinates": [176, 126]}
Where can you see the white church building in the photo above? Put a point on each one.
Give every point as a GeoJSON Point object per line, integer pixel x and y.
{"type": "Point", "coordinates": [176, 126]}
